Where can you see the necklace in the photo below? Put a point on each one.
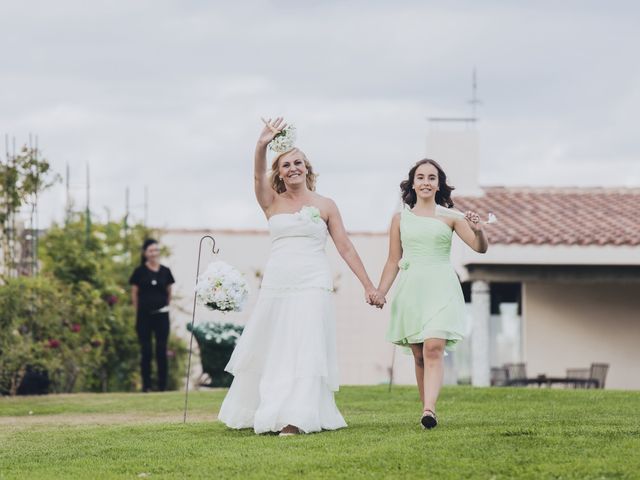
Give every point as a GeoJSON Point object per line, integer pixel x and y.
{"type": "Point", "coordinates": [154, 276]}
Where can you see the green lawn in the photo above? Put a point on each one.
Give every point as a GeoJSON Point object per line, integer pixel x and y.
{"type": "Point", "coordinates": [484, 433]}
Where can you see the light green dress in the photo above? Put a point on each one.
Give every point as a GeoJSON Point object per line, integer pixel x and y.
{"type": "Point", "coordinates": [428, 302]}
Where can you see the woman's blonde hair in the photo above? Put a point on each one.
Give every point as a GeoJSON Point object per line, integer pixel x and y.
{"type": "Point", "coordinates": [278, 185]}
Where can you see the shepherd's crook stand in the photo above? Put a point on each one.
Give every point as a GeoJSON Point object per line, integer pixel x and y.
{"type": "Point", "coordinates": [193, 319]}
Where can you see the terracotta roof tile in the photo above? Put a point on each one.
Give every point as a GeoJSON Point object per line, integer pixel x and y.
{"type": "Point", "coordinates": [559, 216]}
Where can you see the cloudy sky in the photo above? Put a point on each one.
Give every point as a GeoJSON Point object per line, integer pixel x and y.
{"type": "Point", "coordinates": [168, 94]}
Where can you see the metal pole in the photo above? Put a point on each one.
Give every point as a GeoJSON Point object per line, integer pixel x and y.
{"type": "Point", "coordinates": [35, 227]}
{"type": "Point", "coordinates": [474, 102]}
{"type": "Point", "coordinates": [14, 272]}
{"type": "Point", "coordinates": [67, 213]}
{"type": "Point", "coordinates": [193, 319]}
{"type": "Point", "coordinates": [88, 211]}
{"type": "Point", "coordinates": [146, 206]}
{"type": "Point", "coordinates": [5, 224]}
{"type": "Point", "coordinates": [126, 222]}
{"type": "Point", "coordinates": [393, 361]}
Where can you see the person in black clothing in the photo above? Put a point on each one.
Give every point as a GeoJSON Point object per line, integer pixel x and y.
{"type": "Point", "coordinates": [151, 295]}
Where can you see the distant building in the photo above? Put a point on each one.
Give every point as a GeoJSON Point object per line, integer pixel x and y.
{"type": "Point", "coordinates": [559, 285]}
{"type": "Point", "coordinates": [570, 260]}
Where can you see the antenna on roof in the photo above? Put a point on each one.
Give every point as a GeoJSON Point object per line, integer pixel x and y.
{"type": "Point", "coordinates": [474, 102]}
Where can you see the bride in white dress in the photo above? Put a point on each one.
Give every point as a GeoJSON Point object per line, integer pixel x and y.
{"type": "Point", "coordinates": [285, 365]}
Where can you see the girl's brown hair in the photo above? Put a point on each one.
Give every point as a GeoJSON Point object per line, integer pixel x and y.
{"type": "Point", "coordinates": [443, 195]}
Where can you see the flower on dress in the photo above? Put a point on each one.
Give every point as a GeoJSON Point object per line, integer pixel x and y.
{"type": "Point", "coordinates": [403, 264]}
{"type": "Point", "coordinates": [311, 213]}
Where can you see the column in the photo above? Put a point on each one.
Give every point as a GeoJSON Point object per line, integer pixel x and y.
{"type": "Point", "coordinates": [481, 310]}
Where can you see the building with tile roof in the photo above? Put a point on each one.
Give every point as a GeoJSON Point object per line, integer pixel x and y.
{"type": "Point", "coordinates": [570, 259]}
{"type": "Point", "coordinates": [560, 216]}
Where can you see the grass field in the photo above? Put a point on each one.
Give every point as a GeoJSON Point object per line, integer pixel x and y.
{"type": "Point", "coordinates": [484, 433]}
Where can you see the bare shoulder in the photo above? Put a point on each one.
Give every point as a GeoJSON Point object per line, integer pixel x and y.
{"type": "Point", "coordinates": [450, 216]}
{"type": "Point", "coordinates": [325, 204]}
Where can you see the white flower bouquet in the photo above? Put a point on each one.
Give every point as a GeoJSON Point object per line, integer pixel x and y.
{"type": "Point", "coordinates": [284, 140]}
{"type": "Point", "coordinates": [451, 213]}
{"type": "Point", "coordinates": [221, 287]}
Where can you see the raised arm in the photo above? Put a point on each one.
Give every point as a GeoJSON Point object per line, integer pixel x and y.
{"type": "Point", "coordinates": [391, 268]}
{"type": "Point", "coordinates": [264, 193]}
{"type": "Point", "coordinates": [347, 251]}
{"type": "Point", "coordinates": [469, 229]}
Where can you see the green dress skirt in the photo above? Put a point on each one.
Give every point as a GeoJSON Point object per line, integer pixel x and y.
{"type": "Point", "coordinates": [428, 302]}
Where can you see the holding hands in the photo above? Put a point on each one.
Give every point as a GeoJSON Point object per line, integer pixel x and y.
{"type": "Point", "coordinates": [374, 297]}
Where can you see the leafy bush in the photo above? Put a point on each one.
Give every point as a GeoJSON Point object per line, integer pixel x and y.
{"type": "Point", "coordinates": [74, 323]}
{"type": "Point", "coordinates": [40, 333]}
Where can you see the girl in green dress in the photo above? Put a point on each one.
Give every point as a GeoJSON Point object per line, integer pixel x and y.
{"type": "Point", "coordinates": [427, 312]}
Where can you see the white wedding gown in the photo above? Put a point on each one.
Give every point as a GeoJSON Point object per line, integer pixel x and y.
{"type": "Point", "coordinates": [284, 365]}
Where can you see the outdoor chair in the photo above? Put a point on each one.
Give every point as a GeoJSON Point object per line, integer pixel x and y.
{"type": "Point", "coordinates": [599, 373]}
{"type": "Point", "coordinates": [516, 373]}
{"type": "Point", "coordinates": [499, 376]}
{"type": "Point", "coordinates": [582, 373]}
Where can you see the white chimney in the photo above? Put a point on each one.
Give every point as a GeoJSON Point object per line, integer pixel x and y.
{"type": "Point", "coordinates": [453, 143]}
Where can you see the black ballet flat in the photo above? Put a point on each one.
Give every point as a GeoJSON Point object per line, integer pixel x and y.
{"type": "Point", "coordinates": [429, 419]}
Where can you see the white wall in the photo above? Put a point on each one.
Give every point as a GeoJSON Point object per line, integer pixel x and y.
{"type": "Point", "coordinates": [572, 325]}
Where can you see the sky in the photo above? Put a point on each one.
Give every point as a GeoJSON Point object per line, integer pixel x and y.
{"type": "Point", "coordinates": [169, 95]}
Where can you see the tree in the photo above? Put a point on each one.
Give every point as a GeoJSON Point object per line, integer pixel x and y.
{"type": "Point", "coordinates": [74, 322]}
{"type": "Point", "coordinates": [96, 269]}
{"type": "Point", "coordinates": [23, 177]}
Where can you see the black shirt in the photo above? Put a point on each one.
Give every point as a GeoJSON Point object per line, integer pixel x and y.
{"type": "Point", "coordinates": [152, 287]}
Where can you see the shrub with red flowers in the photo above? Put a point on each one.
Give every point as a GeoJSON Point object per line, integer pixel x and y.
{"type": "Point", "coordinates": [33, 309]}
{"type": "Point", "coordinates": [111, 300]}
{"type": "Point", "coordinates": [68, 322]}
